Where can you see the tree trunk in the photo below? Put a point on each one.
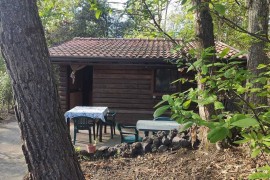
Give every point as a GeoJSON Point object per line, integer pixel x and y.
{"type": "Point", "coordinates": [258, 15]}
{"type": "Point", "coordinates": [47, 144]}
{"type": "Point", "coordinates": [205, 39]}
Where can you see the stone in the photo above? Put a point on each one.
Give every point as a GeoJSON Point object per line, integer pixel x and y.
{"type": "Point", "coordinates": [166, 141]}
{"type": "Point", "coordinates": [154, 148]}
{"type": "Point", "coordinates": [136, 149]}
{"type": "Point", "coordinates": [161, 134]}
{"type": "Point", "coordinates": [137, 145]}
{"type": "Point", "coordinates": [146, 147]}
{"type": "Point", "coordinates": [185, 143]}
{"type": "Point", "coordinates": [147, 140]}
{"type": "Point", "coordinates": [122, 146]}
{"type": "Point", "coordinates": [176, 146]}
{"type": "Point", "coordinates": [173, 133]}
{"type": "Point", "coordinates": [162, 148]}
{"type": "Point", "coordinates": [84, 153]}
{"type": "Point", "coordinates": [157, 141]}
{"type": "Point", "coordinates": [176, 139]}
{"type": "Point", "coordinates": [112, 151]}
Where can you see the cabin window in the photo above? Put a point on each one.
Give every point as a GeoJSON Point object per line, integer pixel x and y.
{"type": "Point", "coordinates": [163, 80]}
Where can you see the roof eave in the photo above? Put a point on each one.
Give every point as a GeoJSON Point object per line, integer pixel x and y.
{"type": "Point", "coordinates": [106, 60]}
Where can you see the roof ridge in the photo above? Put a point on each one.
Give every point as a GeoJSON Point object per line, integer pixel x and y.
{"type": "Point", "coordinates": [227, 46]}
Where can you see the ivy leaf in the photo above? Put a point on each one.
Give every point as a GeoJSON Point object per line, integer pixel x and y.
{"type": "Point", "coordinates": [220, 8]}
{"type": "Point", "coordinates": [217, 134]}
{"type": "Point", "coordinates": [161, 110]}
{"type": "Point", "coordinates": [246, 122]}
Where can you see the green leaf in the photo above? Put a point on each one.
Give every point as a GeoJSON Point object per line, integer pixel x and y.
{"type": "Point", "coordinates": [246, 122]}
{"type": "Point", "coordinates": [186, 104]}
{"type": "Point", "coordinates": [261, 66]}
{"type": "Point", "coordinates": [190, 68]}
{"type": "Point", "coordinates": [186, 125]}
{"type": "Point", "coordinates": [158, 104]}
{"type": "Point", "coordinates": [240, 89]}
{"type": "Point", "coordinates": [259, 175]}
{"type": "Point", "coordinates": [192, 8]}
{"type": "Point", "coordinates": [204, 69]}
{"type": "Point", "coordinates": [220, 8]}
{"type": "Point", "coordinates": [255, 152]}
{"type": "Point", "coordinates": [218, 105]}
{"type": "Point", "coordinates": [266, 143]}
{"type": "Point", "coordinates": [230, 73]}
{"type": "Point", "coordinates": [217, 134]}
{"type": "Point", "coordinates": [161, 110]}
{"type": "Point", "coordinates": [264, 168]}
{"type": "Point", "coordinates": [165, 97]}
{"type": "Point", "coordinates": [224, 52]}
{"type": "Point", "coordinates": [183, 2]}
{"type": "Point", "coordinates": [238, 54]}
{"type": "Point", "coordinates": [242, 141]}
{"type": "Point", "coordinates": [98, 13]}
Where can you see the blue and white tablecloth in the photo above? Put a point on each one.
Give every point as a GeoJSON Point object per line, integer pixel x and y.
{"type": "Point", "coordinates": [88, 111]}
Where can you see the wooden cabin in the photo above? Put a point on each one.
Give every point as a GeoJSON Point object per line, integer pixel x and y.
{"type": "Point", "coordinates": [127, 75]}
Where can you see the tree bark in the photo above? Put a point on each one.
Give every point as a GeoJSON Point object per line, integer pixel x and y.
{"type": "Point", "coordinates": [258, 18]}
{"type": "Point", "coordinates": [47, 144]}
{"type": "Point", "coordinates": [205, 39]}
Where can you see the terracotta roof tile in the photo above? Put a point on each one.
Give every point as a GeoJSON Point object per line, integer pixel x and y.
{"type": "Point", "coordinates": [125, 48]}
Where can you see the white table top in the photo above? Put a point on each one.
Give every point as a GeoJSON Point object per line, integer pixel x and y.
{"type": "Point", "coordinates": [150, 125]}
{"type": "Point", "coordinates": [94, 112]}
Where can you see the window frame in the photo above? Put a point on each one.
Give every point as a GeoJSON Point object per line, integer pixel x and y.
{"type": "Point", "coordinates": [155, 91]}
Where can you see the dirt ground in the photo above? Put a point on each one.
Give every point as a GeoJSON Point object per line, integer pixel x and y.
{"type": "Point", "coordinates": [12, 163]}
{"type": "Point", "coordinates": [185, 164]}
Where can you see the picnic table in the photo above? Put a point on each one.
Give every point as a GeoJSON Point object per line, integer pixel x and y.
{"type": "Point", "coordinates": [150, 125]}
{"type": "Point", "coordinates": [93, 112]}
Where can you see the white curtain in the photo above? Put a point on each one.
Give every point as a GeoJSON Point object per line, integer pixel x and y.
{"type": "Point", "coordinates": [75, 68]}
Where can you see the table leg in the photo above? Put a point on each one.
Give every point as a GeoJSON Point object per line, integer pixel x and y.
{"type": "Point", "coordinates": [146, 133]}
{"type": "Point", "coordinates": [68, 124]}
{"type": "Point", "coordinates": [100, 131]}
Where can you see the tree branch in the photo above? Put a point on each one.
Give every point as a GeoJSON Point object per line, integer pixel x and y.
{"type": "Point", "coordinates": [158, 25]}
{"type": "Point", "coordinates": [253, 110]}
{"type": "Point", "coordinates": [240, 29]}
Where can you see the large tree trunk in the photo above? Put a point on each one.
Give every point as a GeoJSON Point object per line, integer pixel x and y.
{"type": "Point", "coordinates": [258, 15]}
{"type": "Point", "coordinates": [205, 39]}
{"type": "Point", "coordinates": [46, 145]}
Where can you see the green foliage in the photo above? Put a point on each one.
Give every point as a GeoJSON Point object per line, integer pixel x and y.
{"type": "Point", "coordinates": [6, 95]}
{"type": "Point", "coordinates": [226, 88]}
{"type": "Point", "coordinates": [63, 20]}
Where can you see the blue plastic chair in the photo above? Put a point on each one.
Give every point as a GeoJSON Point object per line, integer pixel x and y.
{"type": "Point", "coordinates": [128, 136]}
{"type": "Point", "coordinates": [163, 118]}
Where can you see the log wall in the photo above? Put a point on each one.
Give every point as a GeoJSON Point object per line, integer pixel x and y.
{"type": "Point", "coordinates": [62, 87]}
{"type": "Point", "coordinates": [126, 90]}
